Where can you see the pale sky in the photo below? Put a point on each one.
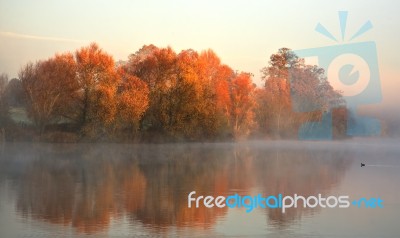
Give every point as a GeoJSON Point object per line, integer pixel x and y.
{"type": "Point", "coordinates": [243, 33]}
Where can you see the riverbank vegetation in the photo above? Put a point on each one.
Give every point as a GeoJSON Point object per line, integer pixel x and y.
{"type": "Point", "coordinates": [159, 95]}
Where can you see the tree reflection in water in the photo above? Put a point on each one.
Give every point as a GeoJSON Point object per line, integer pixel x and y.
{"type": "Point", "coordinates": [88, 186]}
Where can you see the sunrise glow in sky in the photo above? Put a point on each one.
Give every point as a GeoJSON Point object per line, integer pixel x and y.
{"type": "Point", "coordinates": [243, 33]}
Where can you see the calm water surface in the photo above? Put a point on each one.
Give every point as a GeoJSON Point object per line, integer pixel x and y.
{"type": "Point", "coordinates": [111, 190]}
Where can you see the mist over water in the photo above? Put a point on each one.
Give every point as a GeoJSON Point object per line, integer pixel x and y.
{"type": "Point", "coordinates": [103, 190]}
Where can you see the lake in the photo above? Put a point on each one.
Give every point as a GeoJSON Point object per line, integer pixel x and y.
{"type": "Point", "coordinates": [118, 190]}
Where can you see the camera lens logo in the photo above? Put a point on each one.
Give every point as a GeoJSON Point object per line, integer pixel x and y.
{"type": "Point", "coordinates": [351, 79]}
{"type": "Point", "coordinates": [352, 69]}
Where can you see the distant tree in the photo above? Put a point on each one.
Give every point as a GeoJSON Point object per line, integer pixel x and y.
{"type": "Point", "coordinates": [14, 93]}
{"type": "Point", "coordinates": [310, 90]}
{"type": "Point", "coordinates": [3, 83]}
{"type": "Point", "coordinates": [243, 104]}
{"type": "Point", "coordinates": [294, 93]}
{"type": "Point", "coordinates": [4, 114]}
{"type": "Point", "coordinates": [262, 111]}
{"type": "Point", "coordinates": [277, 86]}
{"type": "Point", "coordinates": [48, 87]}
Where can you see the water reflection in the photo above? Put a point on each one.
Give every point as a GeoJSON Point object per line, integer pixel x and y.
{"type": "Point", "coordinates": [89, 186]}
{"type": "Point", "coordinates": [303, 172]}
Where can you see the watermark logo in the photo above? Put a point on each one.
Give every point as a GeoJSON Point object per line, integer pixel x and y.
{"type": "Point", "coordinates": [351, 68]}
{"type": "Point", "coordinates": [249, 203]}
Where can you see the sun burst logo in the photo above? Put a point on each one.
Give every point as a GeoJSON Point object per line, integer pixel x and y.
{"type": "Point", "coordinates": [353, 70]}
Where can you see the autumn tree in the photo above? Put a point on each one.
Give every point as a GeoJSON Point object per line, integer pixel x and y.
{"type": "Point", "coordinates": [132, 101]}
{"type": "Point", "coordinates": [277, 86]}
{"type": "Point", "coordinates": [189, 95]}
{"type": "Point", "coordinates": [189, 92]}
{"type": "Point", "coordinates": [183, 112]}
{"type": "Point", "coordinates": [294, 93]}
{"type": "Point", "coordinates": [262, 112]}
{"type": "Point", "coordinates": [157, 68]}
{"type": "Point", "coordinates": [243, 103]}
{"type": "Point", "coordinates": [312, 95]}
{"type": "Point", "coordinates": [48, 86]}
{"type": "Point", "coordinates": [98, 83]}
{"type": "Point", "coordinates": [201, 94]}
{"type": "Point", "coordinates": [175, 92]}
{"type": "Point", "coordinates": [311, 91]}
{"type": "Point", "coordinates": [216, 80]}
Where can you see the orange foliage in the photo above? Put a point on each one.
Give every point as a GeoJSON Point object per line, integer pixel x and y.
{"type": "Point", "coordinates": [189, 93]}
{"type": "Point", "coordinates": [133, 101]}
{"type": "Point", "coordinates": [50, 88]}
{"type": "Point", "coordinates": [185, 96]}
{"type": "Point", "coordinates": [243, 104]}
{"type": "Point", "coordinates": [98, 82]}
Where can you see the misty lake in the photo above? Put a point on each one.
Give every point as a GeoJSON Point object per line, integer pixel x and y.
{"type": "Point", "coordinates": [116, 190]}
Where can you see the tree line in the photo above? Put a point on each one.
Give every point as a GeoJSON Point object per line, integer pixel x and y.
{"type": "Point", "coordinates": [161, 95]}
